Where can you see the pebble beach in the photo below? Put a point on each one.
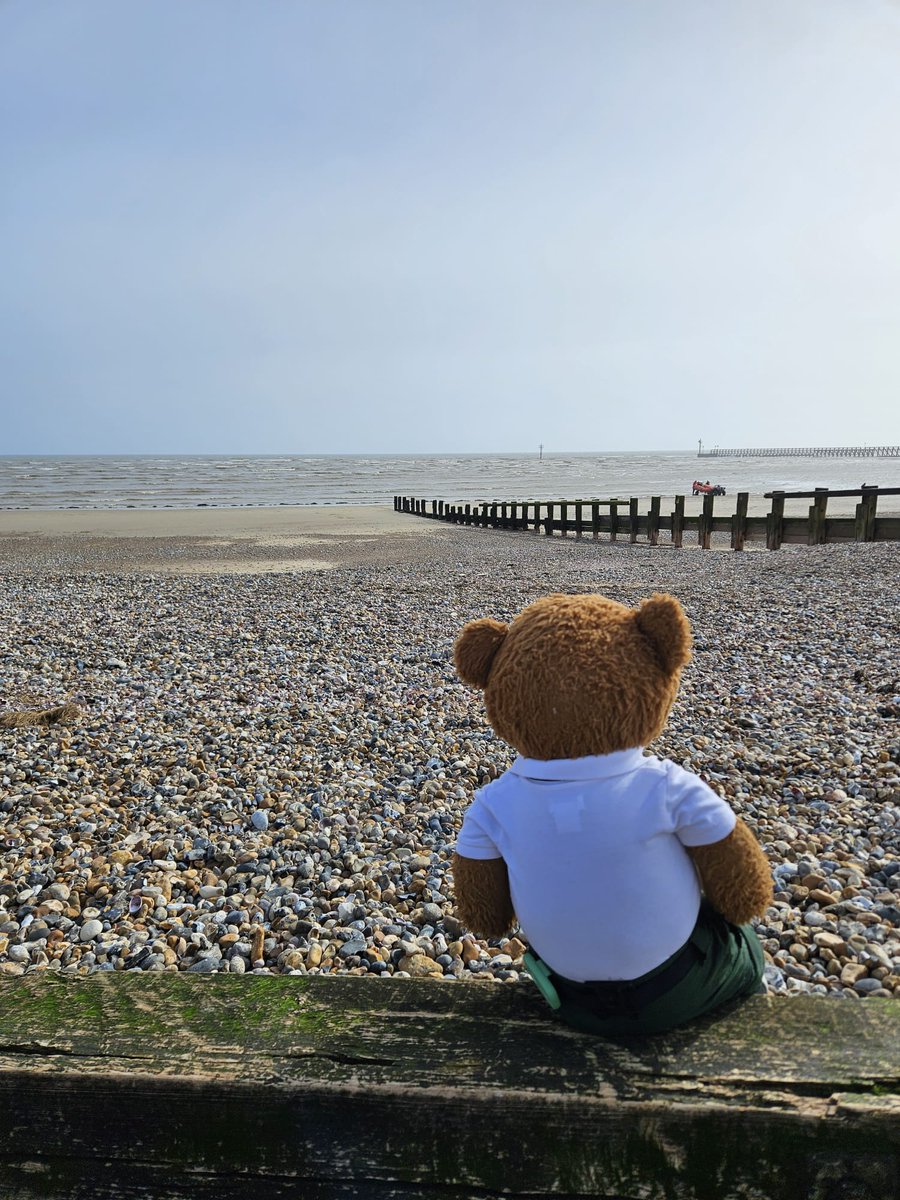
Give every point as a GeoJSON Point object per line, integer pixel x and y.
{"type": "Point", "coordinates": [273, 753]}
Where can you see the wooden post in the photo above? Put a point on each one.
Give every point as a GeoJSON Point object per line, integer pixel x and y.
{"type": "Point", "coordinates": [548, 525]}
{"type": "Point", "coordinates": [513, 515]}
{"type": "Point", "coordinates": [595, 520]}
{"type": "Point", "coordinates": [633, 518]}
{"type": "Point", "coordinates": [775, 522]}
{"type": "Point", "coordinates": [578, 509]}
{"type": "Point", "coordinates": [468, 512]}
{"type": "Point", "coordinates": [613, 519]}
{"type": "Point", "coordinates": [504, 515]}
{"type": "Point", "coordinates": [678, 521]}
{"type": "Point", "coordinates": [653, 521]}
{"type": "Point", "coordinates": [816, 532]}
{"type": "Point", "coordinates": [493, 516]}
{"type": "Point", "coordinates": [563, 518]}
{"type": "Point", "coordinates": [739, 521]}
{"type": "Point", "coordinates": [706, 518]}
{"type": "Point", "coordinates": [441, 509]}
{"type": "Point", "coordinates": [868, 505]}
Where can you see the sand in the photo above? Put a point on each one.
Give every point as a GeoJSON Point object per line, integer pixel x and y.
{"type": "Point", "coordinates": [208, 540]}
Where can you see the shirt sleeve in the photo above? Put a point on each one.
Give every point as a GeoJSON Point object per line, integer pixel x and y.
{"type": "Point", "coordinates": [477, 836]}
{"type": "Point", "coordinates": [700, 816]}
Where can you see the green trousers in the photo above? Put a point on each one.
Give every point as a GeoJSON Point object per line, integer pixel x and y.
{"type": "Point", "coordinates": [729, 965]}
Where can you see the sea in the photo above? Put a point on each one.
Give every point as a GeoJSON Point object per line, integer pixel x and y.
{"type": "Point", "coordinates": [236, 481]}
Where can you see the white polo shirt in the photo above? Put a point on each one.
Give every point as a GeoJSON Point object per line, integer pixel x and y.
{"type": "Point", "coordinates": [599, 877]}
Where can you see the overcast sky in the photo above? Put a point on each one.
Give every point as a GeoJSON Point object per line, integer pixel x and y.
{"type": "Point", "coordinates": [347, 226]}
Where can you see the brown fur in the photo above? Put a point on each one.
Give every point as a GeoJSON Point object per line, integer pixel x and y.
{"type": "Point", "coordinates": [476, 648]}
{"type": "Point", "coordinates": [482, 895]}
{"type": "Point", "coordinates": [735, 875]}
{"type": "Point", "coordinates": [577, 675]}
{"type": "Point", "coordinates": [63, 714]}
{"type": "Point", "coordinates": [582, 675]}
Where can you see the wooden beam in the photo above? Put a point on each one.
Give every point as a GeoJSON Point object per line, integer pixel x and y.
{"type": "Point", "coordinates": [739, 521]}
{"type": "Point", "coordinates": [653, 520]}
{"type": "Point", "coordinates": [633, 518]}
{"type": "Point", "coordinates": [775, 524]}
{"type": "Point", "coordinates": [678, 521]}
{"type": "Point", "coordinates": [704, 531]}
{"type": "Point", "coordinates": [116, 1085]}
{"type": "Point", "coordinates": [816, 531]}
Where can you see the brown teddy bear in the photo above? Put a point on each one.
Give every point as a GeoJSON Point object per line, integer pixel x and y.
{"type": "Point", "coordinates": [630, 878]}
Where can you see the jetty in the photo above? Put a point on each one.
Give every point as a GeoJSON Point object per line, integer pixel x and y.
{"type": "Point", "coordinates": [802, 452]}
{"type": "Point", "coordinates": [620, 518]}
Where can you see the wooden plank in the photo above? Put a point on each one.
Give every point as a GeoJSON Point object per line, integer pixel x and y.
{"type": "Point", "coordinates": [578, 518]}
{"type": "Point", "coordinates": [739, 521]}
{"type": "Point", "coordinates": [613, 519]}
{"type": "Point", "coordinates": [886, 529]}
{"type": "Point", "coordinates": [835, 492]}
{"type": "Point", "coordinates": [704, 531]}
{"type": "Point", "coordinates": [563, 518]}
{"type": "Point", "coordinates": [775, 526]}
{"type": "Point", "coordinates": [548, 521]}
{"type": "Point", "coordinates": [633, 519]}
{"type": "Point", "coordinates": [678, 522]}
{"type": "Point", "coordinates": [817, 510]}
{"type": "Point", "coordinates": [343, 1087]}
{"type": "Point", "coordinates": [595, 519]}
{"type": "Point", "coordinates": [653, 520]}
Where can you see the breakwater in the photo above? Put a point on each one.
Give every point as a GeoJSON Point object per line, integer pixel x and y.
{"type": "Point", "coordinates": [622, 518]}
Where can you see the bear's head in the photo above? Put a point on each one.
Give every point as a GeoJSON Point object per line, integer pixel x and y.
{"type": "Point", "coordinates": [578, 675]}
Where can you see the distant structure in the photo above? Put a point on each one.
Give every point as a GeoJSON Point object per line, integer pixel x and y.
{"type": "Point", "coordinates": [803, 452]}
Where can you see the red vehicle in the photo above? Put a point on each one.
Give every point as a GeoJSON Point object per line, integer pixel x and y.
{"type": "Point", "coordinates": [706, 489]}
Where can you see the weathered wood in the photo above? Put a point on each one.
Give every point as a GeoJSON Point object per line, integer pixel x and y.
{"type": "Point", "coordinates": [817, 510]}
{"type": "Point", "coordinates": [595, 519]}
{"type": "Point", "coordinates": [739, 521]}
{"type": "Point", "coordinates": [704, 530]}
{"type": "Point", "coordinates": [613, 520]}
{"type": "Point", "coordinates": [345, 1087]}
{"type": "Point", "coordinates": [653, 520]}
{"type": "Point", "coordinates": [775, 522]}
{"type": "Point", "coordinates": [678, 522]}
{"type": "Point", "coordinates": [578, 517]}
{"type": "Point", "coordinates": [633, 519]}
{"type": "Point", "coordinates": [548, 522]}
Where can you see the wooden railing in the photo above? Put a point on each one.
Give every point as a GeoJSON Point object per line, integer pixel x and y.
{"type": "Point", "coordinates": [621, 519]}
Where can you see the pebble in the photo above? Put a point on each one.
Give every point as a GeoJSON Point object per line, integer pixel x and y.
{"type": "Point", "coordinates": [271, 769]}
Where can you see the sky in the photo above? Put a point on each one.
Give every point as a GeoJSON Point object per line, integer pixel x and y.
{"type": "Point", "coordinates": [413, 227]}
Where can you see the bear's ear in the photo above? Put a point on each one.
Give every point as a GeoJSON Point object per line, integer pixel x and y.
{"type": "Point", "coordinates": [475, 649]}
{"type": "Point", "coordinates": [662, 621]}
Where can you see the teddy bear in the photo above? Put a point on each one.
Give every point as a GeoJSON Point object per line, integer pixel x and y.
{"type": "Point", "coordinates": [631, 880]}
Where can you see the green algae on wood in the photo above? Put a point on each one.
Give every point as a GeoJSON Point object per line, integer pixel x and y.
{"type": "Point", "coordinates": [355, 1087]}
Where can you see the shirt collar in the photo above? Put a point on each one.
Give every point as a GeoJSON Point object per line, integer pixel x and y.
{"type": "Point", "coordinates": [596, 766]}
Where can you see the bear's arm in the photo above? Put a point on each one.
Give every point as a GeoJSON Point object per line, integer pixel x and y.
{"type": "Point", "coordinates": [735, 875]}
{"type": "Point", "coordinates": [482, 895]}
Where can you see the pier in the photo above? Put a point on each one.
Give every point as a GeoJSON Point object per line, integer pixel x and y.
{"type": "Point", "coordinates": [621, 518]}
{"type": "Point", "coordinates": [803, 452]}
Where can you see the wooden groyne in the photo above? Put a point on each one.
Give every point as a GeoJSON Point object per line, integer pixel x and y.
{"type": "Point", "coordinates": [620, 519]}
{"type": "Point", "coordinates": [804, 452]}
{"type": "Point", "coordinates": [182, 1087]}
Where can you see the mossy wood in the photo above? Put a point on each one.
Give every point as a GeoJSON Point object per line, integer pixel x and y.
{"type": "Point", "coordinates": [170, 1086]}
